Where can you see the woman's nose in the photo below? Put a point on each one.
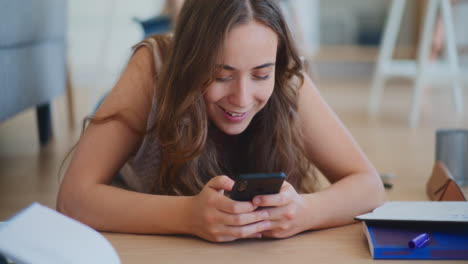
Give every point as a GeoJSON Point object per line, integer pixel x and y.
{"type": "Point", "coordinates": [240, 95]}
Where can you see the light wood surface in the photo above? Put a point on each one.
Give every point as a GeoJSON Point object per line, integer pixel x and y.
{"type": "Point", "coordinates": [345, 244]}
{"type": "Point", "coordinates": [29, 173]}
{"type": "Point", "coordinates": [338, 245]}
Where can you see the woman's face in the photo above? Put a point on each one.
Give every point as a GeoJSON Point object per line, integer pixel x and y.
{"type": "Point", "coordinates": [245, 78]}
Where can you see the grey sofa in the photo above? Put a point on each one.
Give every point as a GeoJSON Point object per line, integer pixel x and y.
{"type": "Point", "coordinates": [32, 58]}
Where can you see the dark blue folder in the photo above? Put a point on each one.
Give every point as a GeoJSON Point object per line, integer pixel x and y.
{"type": "Point", "coordinates": [389, 240]}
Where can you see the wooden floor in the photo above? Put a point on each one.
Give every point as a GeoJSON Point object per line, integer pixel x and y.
{"type": "Point", "coordinates": [29, 173]}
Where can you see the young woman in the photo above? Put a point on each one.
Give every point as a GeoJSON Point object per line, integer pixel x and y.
{"type": "Point", "coordinates": [225, 95]}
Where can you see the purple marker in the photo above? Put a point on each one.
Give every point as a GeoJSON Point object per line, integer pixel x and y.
{"type": "Point", "coordinates": [419, 241]}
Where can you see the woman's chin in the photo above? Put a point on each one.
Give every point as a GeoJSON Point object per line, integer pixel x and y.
{"type": "Point", "coordinates": [232, 130]}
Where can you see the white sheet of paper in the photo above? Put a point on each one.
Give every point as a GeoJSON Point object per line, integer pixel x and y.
{"type": "Point", "coordinates": [39, 234]}
{"type": "Point", "coordinates": [420, 211]}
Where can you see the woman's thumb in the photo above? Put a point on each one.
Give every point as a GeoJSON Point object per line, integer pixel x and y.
{"type": "Point", "coordinates": [222, 182]}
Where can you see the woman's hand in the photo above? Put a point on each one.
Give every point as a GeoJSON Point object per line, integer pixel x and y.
{"type": "Point", "coordinates": [287, 212]}
{"type": "Point", "coordinates": [217, 218]}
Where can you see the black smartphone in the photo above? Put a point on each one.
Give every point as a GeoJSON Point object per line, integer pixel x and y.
{"type": "Point", "coordinates": [247, 186]}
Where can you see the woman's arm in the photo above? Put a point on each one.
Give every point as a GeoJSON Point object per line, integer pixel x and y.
{"type": "Point", "coordinates": [355, 185]}
{"type": "Point", "coordinates": [86, 194]}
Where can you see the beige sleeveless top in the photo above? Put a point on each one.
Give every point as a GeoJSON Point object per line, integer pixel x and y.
{"type": "Point", "coordinates": [139, 172]}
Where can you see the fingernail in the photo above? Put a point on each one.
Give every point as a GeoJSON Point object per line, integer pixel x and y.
{"type": "Point", "coordinates": [264, 214]}
{"type": "Point", "coordinates": [266, 224]}
{"type": "Point", "coordinates": [259, 235]}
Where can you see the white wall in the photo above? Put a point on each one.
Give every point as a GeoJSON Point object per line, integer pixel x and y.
{"type": "Point", "coordinates": [339, 20]}
{"type": "Point", "coordinates": [100, 36]}
{"type": "Point", "coordinates": [304, 21]}
{"type": "Point", "coordinates": [102, 32]}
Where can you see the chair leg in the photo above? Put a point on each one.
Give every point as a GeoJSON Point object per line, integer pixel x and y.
{"type": "Point", "coordinates": [377, 86]}
{"type": "Point", "coordinates": [422, 60]}
{"type": "Point", "coordinates": [387, 47]}
{"type": "Point", "coordinates": [70, 99]}
{"type": "Point", "coordinates": [44, 123]}
{"type": "Point", "coordinates": [452, 53]}
{"type": "Point", "coordinates": [3, 260]}
{"type": "Point", "coordinates": [416, 100]}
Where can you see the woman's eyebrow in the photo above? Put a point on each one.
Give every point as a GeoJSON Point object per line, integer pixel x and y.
{"type": "Point", "coordinates": [230, 68]}
{"type": "Point", "coordinates": [265, 65]}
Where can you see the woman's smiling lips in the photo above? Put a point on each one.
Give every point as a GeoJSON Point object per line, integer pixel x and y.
{"type": "Point", "coordinates": [233, 116]}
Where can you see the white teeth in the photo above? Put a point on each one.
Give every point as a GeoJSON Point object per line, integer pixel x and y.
{"type": "Point", "coordinates": [233, 114]}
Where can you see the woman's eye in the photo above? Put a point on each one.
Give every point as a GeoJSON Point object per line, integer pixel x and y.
{"type": "Point", "coordinates": [263, 77]}
{"type": "Point", "coordinates": [223, 79]}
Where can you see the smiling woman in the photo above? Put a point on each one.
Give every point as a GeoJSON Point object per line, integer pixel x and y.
{"type": "Point", "coordinates": [246, 77]}
{"type": "Point", "coordinates": [224, 95]}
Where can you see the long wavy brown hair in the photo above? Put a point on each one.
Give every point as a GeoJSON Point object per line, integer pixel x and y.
{"type": "Point", "coordinates": [272, 142]}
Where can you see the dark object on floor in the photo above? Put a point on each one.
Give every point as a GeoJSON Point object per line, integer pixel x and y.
{"type": "Point", "coordinates": [3, 260]}
{"type": "Point", "coordinates": [155, 25]}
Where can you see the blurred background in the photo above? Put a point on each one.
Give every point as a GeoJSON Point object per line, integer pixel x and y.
{"type": "Point", "coordinates": [340, 40]}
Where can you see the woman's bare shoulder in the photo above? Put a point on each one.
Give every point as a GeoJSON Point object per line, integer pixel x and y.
{"type": "Point", "coordinates": [132, 94]}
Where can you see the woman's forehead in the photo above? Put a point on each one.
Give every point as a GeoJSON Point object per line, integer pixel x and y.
{"type": "Point", "coordinates": [249, 45]}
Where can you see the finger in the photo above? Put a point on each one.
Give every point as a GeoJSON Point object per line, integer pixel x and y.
{"type": "Point", "coordinates": [279, 229]}
{"type": "Point", "coordinates": [244, 219]}
{"type": "Point", "coordinates": [273, 234]}
{"type": "Point", "coordinates": [257, 235]}
{"type": "Point", "coordinates": [277, 213]}
{"type": "Point", "coordinates": [285, 185]}
{"type": "Point", "coordinates": [222, 182]}
{"type": "Point", "coordinates": [247, 230]}
{"type": "Point", "coordinates": [279, 199]}
{"type": "Point", "coordinates": [223, 239]}
{"type": "Point", "coordinates": [268, 233]}
{"type": "Point", "coordinates": [227, 205]}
